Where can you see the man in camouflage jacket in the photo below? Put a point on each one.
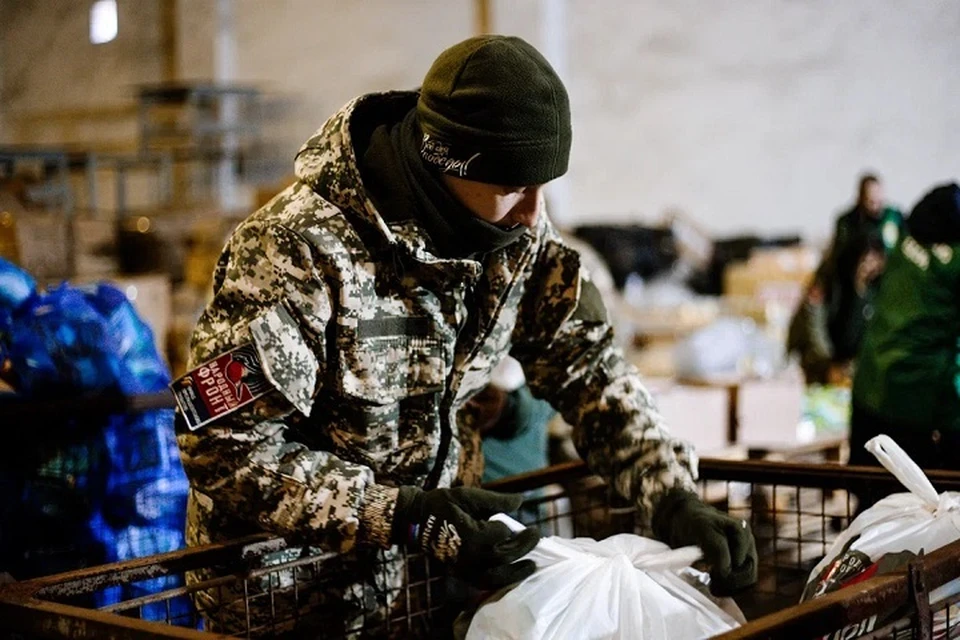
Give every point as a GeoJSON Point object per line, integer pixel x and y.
{"type": "Point", "coordinates": [373, 298]}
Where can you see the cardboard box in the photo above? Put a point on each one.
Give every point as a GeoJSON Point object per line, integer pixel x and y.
{"type": "Point", "coordinates": [655, 359]}
{"type": "Point", "coordinates": [43, 240]}
{"type": "Point", "coordinates": [10, 211]}
{"type": "Point", "coordinates": [699, 415]}
{"type": "Point", "coordinates": [95, 243]}
{"type": "Point", "coordinates": [770, 412]}
{"type": "Point", "coordinates": [204, 245]}
{"type": "Point", "coordinates": [772, 275]}
{"type": "Point", "coordinates": [266, 194]}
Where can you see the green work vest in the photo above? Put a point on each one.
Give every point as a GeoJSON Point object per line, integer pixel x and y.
{"type": "Point", "coordinates": [907, 366]}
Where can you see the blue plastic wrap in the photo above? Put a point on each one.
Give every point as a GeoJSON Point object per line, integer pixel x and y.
{"type": "Point", "coordinates": [103, 492]}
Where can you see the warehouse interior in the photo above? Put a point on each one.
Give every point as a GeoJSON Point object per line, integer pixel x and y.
{"type": "Point", "coordinates": [763, 193]}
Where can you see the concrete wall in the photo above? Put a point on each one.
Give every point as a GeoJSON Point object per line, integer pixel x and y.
{"type": "Point", "coordinates": [748, 114]}
{"type": "Point", "coordinates": [758, 114]}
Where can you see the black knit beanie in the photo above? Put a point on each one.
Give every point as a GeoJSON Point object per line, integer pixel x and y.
{"type": "Point", "coordinates": [493, 110]}
{"type": "Point", "coordinates": [936, 218]}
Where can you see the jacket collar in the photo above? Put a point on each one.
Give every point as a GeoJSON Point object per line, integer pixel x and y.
{"type": "Point", "coordinates": [328, 163]}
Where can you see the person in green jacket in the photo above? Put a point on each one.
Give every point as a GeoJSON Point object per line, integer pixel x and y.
{"type": "Point", "coordinates": [828, 326]}
{"type": "Point", "coordinates": [905, 380]}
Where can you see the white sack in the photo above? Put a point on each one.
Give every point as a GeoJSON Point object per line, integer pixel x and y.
{"type": "Point", "coordinates": [625, 586]}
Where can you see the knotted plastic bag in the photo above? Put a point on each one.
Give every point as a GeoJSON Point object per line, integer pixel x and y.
{"type": "Point", "coordinates": [625, 586]}
{"type": "Point", "coordinates": [886, 537]}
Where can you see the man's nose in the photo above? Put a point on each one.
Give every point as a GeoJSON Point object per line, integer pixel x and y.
{"type": "Point", "coordinates": [528, 209]}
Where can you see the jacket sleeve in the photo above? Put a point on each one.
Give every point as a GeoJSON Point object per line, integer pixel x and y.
{"type": "Point", "coordinates": [809, 338]}
{"type": "Point", "coordinates": [809, 335]}
{"type": "Point", "coordinates": [827, 269]}
{"type": "Point", "coordinates": [566, 346]}
{"type": "Point", "coordinates": [248, 463]}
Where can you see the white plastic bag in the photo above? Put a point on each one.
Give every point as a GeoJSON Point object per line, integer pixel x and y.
{"type": "Point", "coordinates": [728, 346]}
{"type": "Point", "coordinates": [888, 535]}
{"type": "Point", "coordinates": [623, 587]}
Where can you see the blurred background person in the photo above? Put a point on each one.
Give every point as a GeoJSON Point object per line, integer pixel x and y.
{"type": "Point", "coordinates": [905, 383]}
{"type": "Point", "coordinates": [827, 327]}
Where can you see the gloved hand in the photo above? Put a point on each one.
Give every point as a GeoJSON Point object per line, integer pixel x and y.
{"type": "Point", "coordinates": [682, 519]}
{"type": "Point", "coordinates": [451, 525]}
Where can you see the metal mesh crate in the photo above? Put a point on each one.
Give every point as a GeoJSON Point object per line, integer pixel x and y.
{"type": "Point", "coordinates": [266, 587]}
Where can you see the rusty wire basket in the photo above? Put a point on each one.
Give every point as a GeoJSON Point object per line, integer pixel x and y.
{"type": "Point", "coordinates": [796, 511]}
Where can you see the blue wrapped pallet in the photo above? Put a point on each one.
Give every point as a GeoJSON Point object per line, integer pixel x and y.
{"type": "Point", "coordinates": [87, 490]}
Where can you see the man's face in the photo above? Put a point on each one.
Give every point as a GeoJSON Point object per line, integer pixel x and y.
{"type": "Point", "coordinates": [873, 198]}
{"type": "Point", "coordinates": [501, 206]}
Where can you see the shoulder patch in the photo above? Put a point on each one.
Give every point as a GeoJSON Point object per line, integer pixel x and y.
{"type": "Point", "coordinates": [220, 386]}
{"type": "Point", "coordinates": [590, 307]}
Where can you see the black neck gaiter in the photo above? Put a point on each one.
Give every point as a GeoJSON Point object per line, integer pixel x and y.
{"type": "Point", "coordinates": [402, 187]}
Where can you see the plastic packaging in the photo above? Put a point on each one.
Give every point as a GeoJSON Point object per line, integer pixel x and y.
{"type": "Point", "coordinates": [87, 491]}
{"type": "Point", "coordinates": [625, 586]}
{"type": "Point", "coordinates": [888, 535]}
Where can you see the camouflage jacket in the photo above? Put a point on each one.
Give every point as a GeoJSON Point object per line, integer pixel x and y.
{"type": "Point", "coordinates": [374, 345]}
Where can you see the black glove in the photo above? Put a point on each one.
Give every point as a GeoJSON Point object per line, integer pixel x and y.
{"type": "Point", "coordinates": [451, 525]}
{"type": "Point", "coordinates": [682, 519]}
